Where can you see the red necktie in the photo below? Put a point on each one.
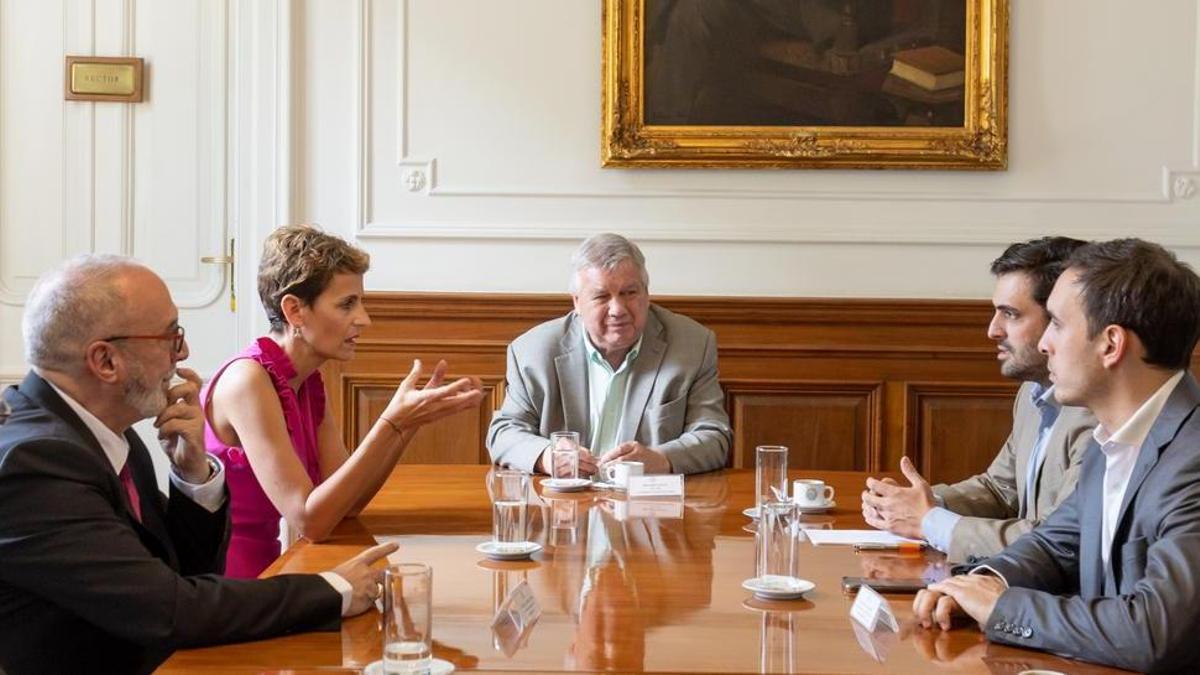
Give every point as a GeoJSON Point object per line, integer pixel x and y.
{"type": "Point", "coordinates": [135, 502]}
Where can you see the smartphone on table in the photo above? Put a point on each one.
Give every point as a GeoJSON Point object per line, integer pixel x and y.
{"type": "Point", "coordinates": [852, 584]}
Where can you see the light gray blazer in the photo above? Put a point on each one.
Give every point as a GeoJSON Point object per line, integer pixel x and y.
{"type": "Point", "coordinates": [1142, 610]}
{"type": "Point", "coordinates": [994, 504]}
{"type": "Point", "coordinates": [674, 403]}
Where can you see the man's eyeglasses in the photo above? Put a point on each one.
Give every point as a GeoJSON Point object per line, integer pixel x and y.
{"type": "Point", "coordinates": [175, 335]}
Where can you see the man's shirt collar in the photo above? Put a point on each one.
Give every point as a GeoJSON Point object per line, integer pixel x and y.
{"type": "Point", "coordinates": [1135, 429]}
{"type": "Point", "coordinates": [596, 357]}
{"type": "Point", "coordinates": [115, 447]}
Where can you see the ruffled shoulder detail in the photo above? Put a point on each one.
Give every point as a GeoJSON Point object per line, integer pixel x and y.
{"type": "Point", "coordinates": [279, 367]}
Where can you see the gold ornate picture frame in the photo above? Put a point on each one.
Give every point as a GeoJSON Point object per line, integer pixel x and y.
{"type": "Point", "coordinates": [833, 84]}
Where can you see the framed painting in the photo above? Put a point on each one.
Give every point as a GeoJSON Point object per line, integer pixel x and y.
{"type": "Point", "coordinates": [838, 84]}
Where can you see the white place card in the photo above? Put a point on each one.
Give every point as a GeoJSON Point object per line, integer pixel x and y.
{"type": "Point", "coordinates": [662, 485]}
{"type": "Point", "coordinates": [872, 610]}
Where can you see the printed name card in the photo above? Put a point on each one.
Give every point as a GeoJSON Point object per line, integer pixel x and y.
{"type": "Point", "coordinates": [871, 610]}
{"type": "Point", "coordinates": [663, 485]}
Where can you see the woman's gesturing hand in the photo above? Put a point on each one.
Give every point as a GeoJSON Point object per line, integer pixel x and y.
{"type": "Point", "coordinates": [412, 407]}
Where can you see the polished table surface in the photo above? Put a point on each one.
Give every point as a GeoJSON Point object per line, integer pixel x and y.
{"type": "Point", "coordinates": [655, 594]}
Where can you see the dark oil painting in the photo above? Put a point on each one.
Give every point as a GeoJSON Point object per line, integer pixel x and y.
{"type": "Point", "coordinates": [800, 62]}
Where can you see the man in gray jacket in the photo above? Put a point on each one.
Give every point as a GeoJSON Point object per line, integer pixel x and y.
{"type": "Point", "coordinates": [1111, 575]}
{"type": "Point", "coordinates": [1038, 465]}
{"type": "Point", "coordinates": [636, 381]}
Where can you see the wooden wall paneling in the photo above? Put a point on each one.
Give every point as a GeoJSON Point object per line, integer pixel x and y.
{"type": "Point", "coordinates": [454, 440]}
{"type": "Point", "coordinates": [825, 425]}
{"type": "Point", "coordinates": [813, 374]}
{"type": "Point", "coordinates": [954, 430]}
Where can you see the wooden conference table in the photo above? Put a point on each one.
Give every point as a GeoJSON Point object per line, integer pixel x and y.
{"type": "Point", "coordinates": [664, 594]}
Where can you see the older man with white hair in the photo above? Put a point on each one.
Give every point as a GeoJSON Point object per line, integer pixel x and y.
{"type": "Point", "coordinates": [99, 571]}
{"type": "Point", "coordinates": [636, 381]}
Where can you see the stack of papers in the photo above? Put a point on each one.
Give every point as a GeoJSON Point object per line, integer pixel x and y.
{"type": "Point", "coordinates": [851, 537]}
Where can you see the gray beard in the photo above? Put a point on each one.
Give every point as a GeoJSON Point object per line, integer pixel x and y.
{"type": "Point", "coordinates": [148, 401]}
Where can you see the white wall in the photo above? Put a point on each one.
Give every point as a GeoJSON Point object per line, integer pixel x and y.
{"type": "Point", "coordinates": [331, 106]}
{"type": "Point", "coordinates": [497, 105]}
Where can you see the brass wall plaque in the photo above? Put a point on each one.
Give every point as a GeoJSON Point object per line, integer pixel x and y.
{"type": "Point", "coordinates": [103, 78]}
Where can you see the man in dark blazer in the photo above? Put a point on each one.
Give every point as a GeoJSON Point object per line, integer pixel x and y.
{"type": "Point", "coordinates": [1110, 576]}
{"type": "Point", "coordinates": [99, 571]}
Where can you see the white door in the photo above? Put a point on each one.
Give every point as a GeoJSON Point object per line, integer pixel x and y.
{"type": "Point", "coordinates": [146, 179]}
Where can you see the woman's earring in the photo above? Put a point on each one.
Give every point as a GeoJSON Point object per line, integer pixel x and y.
{"type": "Point", "coordinates": [295, 331]}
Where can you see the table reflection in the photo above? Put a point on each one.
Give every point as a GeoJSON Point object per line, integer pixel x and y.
{"type": "Point", "coordinates": [622, 585]}
{"type": "Point", "coordinates": [616, 566]}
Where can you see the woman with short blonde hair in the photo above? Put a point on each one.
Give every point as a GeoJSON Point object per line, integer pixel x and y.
{"type": "Point", "coordinates": [265, 410]}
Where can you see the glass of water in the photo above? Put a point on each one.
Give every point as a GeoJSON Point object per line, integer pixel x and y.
{"type": "Point", "coordinates": [407, 618]}
{"type": "Point", "coordinates": [508, 489]}
{"type": "Point", "coordinates": [564, 454]}
{"type": "Point", "coordinates": [770, 474]}
{"type": "Point", "coordinates": [776, 542]}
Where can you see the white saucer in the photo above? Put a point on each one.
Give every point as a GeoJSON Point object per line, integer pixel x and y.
{"type": "Point", "coordinates": [827, 506]}
{"type": "Point", "coordinates": [566, 484]}
{"type": "Point", "coordinates": [752, 512]}
{"type": "Point", "coordinates": [498, 551]}
{"type": "Point", "coordinates": [436, 667]}
{"type": "Point", "coordinates": [778, 587]}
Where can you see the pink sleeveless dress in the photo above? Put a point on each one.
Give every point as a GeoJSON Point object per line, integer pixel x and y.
{"type": "Point", "coordinates": [254, 542]}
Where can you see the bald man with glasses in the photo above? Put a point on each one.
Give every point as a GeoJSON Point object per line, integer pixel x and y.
{"type": "Point", "coordinates": [99, 571]}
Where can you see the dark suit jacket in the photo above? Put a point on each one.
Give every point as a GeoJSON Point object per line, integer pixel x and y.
{"type": "Point", "coordinates": [86, 588]}
{"type": "Point", "coordinates": [1141, 610]}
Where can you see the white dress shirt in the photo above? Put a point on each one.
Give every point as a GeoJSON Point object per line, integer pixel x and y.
{"type": "Point", "coordinates": [1121, 450]}
{"type": "Point", "coordinates": [210, 494]}
{"type": "Point", "coordinates": [607, 390]}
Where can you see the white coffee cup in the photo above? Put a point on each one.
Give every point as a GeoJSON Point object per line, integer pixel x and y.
{"type": "Point", "coordinates": [811, 492]}
{"type": "Point", "coordinates": [619, 472]}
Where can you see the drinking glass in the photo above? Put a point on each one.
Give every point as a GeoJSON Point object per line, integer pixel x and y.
{"type": "Point", "coordinates": [770, 474]}
{"type": "Point", "coordinates": [564, 454]}
{"type": "Point", "coordinates": [777, 541]}
{"type": "Point", "coordinates": [407, 618]}
{"type": "Point", "coordinates": [508, 489]}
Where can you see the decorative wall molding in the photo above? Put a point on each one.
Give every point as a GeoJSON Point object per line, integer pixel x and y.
{"type": "Point", "coordinates": [419, 171]}
{"type": "Point", "coordinates": [1180, 184]}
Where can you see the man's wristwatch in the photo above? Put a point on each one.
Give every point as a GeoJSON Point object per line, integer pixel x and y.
{"type": "Point", "coordinates": [213, 468]}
